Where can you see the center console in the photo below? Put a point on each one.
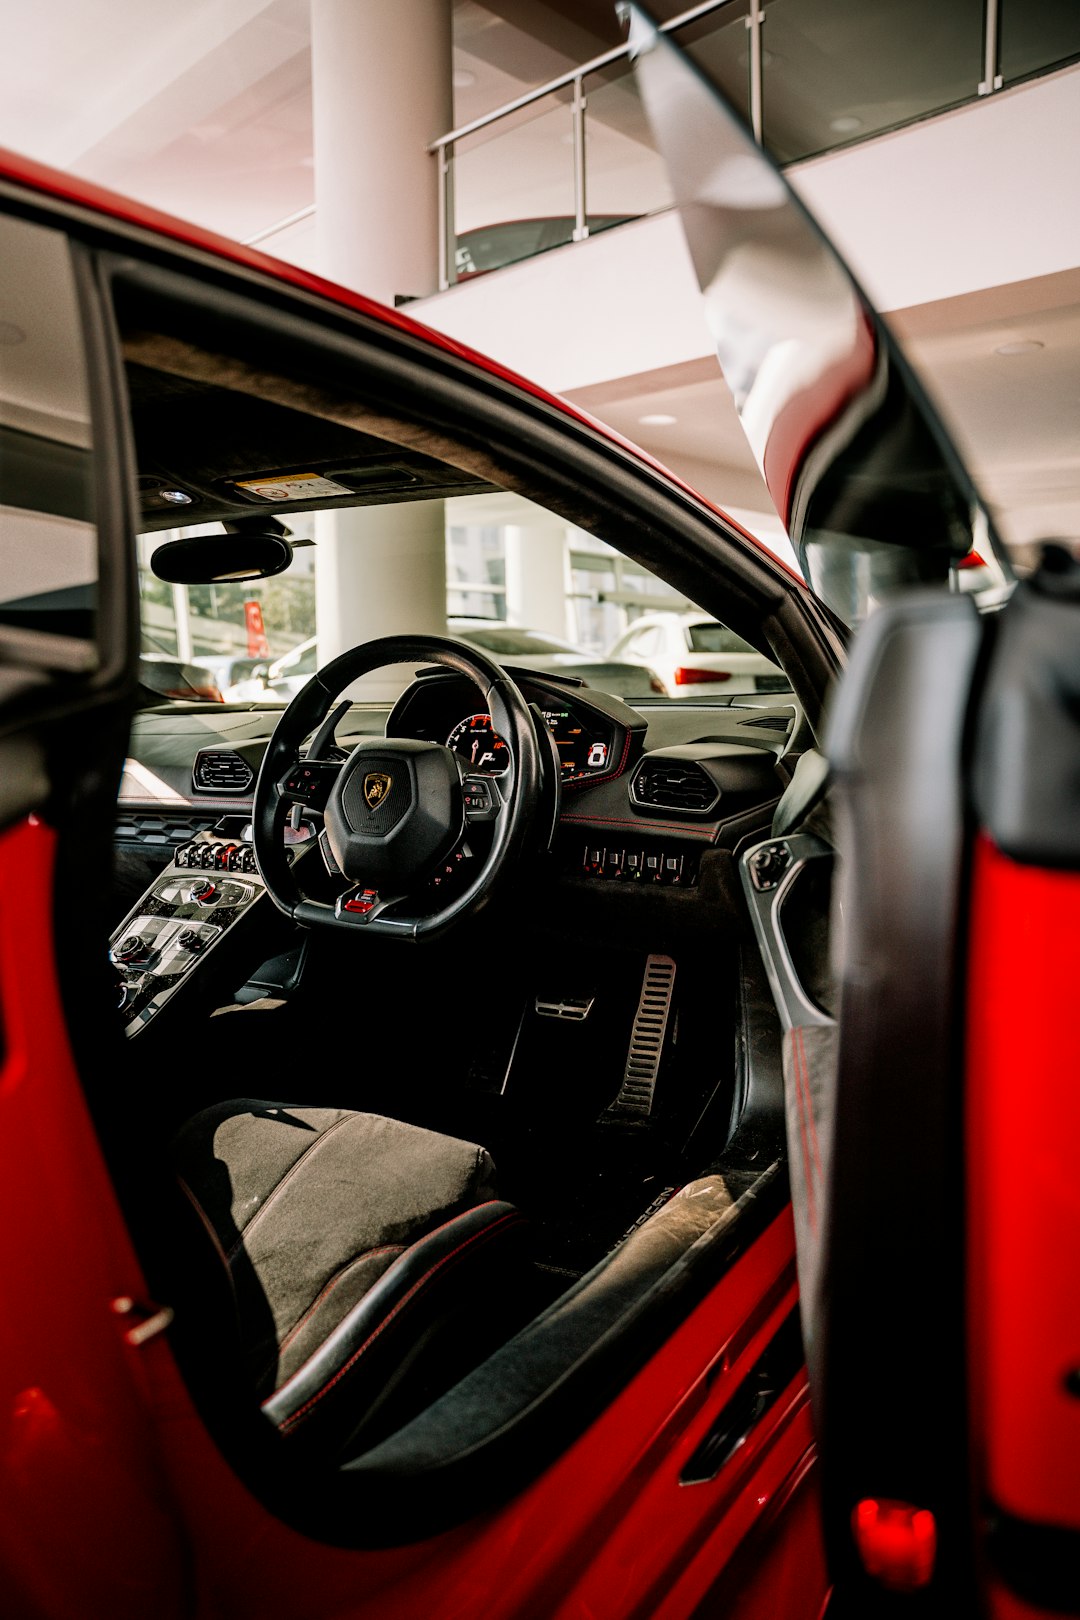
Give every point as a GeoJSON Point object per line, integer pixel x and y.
{"type": "Point", "coordinates": [210, 883]}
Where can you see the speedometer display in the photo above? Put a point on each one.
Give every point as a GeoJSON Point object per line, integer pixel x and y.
{"type": "Point", "coordinates": [479, 744]}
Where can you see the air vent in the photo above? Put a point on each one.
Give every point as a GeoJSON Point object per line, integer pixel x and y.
{"type": "Point", "coordinates": [770, 722]}
{"type": "Point", "coordinates": [674, 784]}
{"type": "Point", "coordinates": [221, 773]}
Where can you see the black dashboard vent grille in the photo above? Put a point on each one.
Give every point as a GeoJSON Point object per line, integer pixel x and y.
{"type": "Point", "coordinates": [674, 784]}
{"type": "Point", "coordinates": [769, 722]}
{"type": "Point", "coordinates": [221, 773]}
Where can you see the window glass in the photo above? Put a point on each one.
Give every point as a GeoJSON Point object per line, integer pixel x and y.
{"type": "Point", "coordinates": [512, 180]}
{"type": "Point", "coordinates": [624, 175]}
{"type": "Point", "coordinates": [1036, 35]}
{"type": "Point", "coordinates": [48, 541]}
{"type": "Point", "coordinates": [514, 580]}
{"type": "Point", "coordinates": [213, 641]}
{"type": "Point", "coordinates": [835, 71]}
{"type": "Point", "coordinates": [719, 43]}
{"type": "Point", "coordinates": [716, 638]}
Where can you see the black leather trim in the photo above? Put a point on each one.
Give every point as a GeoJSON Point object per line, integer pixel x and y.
{"type": "Point", "coordinates": [886, 1345]}
{"type": "Point", "coordinates": [1040, 1562]}
{"type": "Point", "coordinates": [413, 1279]}
{"type": "Point", "coordinates": [1024, 776]}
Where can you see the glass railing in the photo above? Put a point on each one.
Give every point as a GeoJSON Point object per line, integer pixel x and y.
{"type": "Point", "coordinates": [575, 156]}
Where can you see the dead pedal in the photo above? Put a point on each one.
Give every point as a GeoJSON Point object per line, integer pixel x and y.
{"type": "Point", "coordinates": [638, 1089]}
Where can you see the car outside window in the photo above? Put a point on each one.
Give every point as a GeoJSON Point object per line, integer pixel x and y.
{"type": "Point", "coordinates": [716, 638]}
{"type": "Point", "coordinates": [48, 538]}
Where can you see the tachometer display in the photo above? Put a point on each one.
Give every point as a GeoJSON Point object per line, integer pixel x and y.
{"type": "Point", "coordinates": [479, 744]}
{"type": "Point", "coordinates": [584, 748]}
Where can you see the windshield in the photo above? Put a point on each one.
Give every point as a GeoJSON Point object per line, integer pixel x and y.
{"type": "Point", "coordinates": [510, 642]}
{"type": "Point", "coordinates": [495, 570]}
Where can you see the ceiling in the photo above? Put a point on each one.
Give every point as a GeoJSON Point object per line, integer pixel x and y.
{"type": "Point", "coordinates": [1015, 417]}
{"type": "Point", "coordinates": [204, 109]}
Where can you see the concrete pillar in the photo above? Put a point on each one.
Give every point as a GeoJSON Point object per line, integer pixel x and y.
{"type": "Point", "coordinates": [379, 571]}
{"type": "Point", "coordinates": [537, 584]}
{"type": "Point", "coordinates": [381, 92]}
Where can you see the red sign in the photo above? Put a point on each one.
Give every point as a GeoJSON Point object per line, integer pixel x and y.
{"type": "Point", "coordinates": [258, 646]}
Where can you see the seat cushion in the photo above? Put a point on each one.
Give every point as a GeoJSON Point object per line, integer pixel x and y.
{"type": "Point", "coordinates": [341, 1233]}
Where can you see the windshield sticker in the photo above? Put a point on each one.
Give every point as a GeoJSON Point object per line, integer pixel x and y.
{"type": "Point", "coordinates": [293, 487]}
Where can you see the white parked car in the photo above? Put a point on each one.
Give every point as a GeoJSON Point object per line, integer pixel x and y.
{"type": "Point", "coordinates": [691, 652]}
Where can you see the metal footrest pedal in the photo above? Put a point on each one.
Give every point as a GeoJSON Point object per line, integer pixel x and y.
{"type": "Point", "coordinates": [638, 1089]}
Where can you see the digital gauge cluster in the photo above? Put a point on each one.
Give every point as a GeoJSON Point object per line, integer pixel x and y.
{"type": "Point", "coordinates": [592, 744]}
{"type": "Point", "coordinates": [583, 749]}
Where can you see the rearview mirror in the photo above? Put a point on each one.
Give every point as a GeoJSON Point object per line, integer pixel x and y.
{"type": "Point", "coordinates": [219, 559]}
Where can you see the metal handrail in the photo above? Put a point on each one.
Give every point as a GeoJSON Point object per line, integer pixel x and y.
{"type": "Point", "coordinates": [572, 75]}
{"type": "Point", "coordinates": [282, 225]}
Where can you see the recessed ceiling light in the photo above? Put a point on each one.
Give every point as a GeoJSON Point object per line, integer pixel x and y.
{"type": "Point", "coordinates": [463, 79]}
{"type": "Point", "coordinates": [175, 497]}
{"type": "Point", "coordinates": [10, 334]}
{"type": "Point", "coordinates": [1021, 346]}
{"type": "Point", "coordinates": [846, 124]}
{"type": "Point", "coordinates": [658, 420]}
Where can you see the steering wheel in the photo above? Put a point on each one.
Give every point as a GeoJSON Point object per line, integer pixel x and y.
{"type": "Point", "coordinates": [397, 807]}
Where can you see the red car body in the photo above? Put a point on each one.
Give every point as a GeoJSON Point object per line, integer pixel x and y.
{"type": "Point", "coordinates": [113, 1494]}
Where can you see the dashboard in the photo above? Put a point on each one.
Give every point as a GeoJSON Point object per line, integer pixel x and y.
{"type": "Point", "coordinates": [646, 791]}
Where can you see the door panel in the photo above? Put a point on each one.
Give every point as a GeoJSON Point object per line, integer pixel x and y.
{"type": "Point", "coordinates": [86, 1522]}
{"type": "Point", "coordinates": [77, 1470]}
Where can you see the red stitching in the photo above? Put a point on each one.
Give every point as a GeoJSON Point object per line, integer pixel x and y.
{"type": "Point", "coordinates": [608, 776]}
{"type": "Point", "coordinates": [301, 1412]}
{"type": "Point", "coordinates": [293, 1169]}
{"type": "Point", "coordinates": [207, 1223]}
{"type": "Point", "coordinates": [487, 1204]}
{"type": "Point", "coordinates": [387, 1248]}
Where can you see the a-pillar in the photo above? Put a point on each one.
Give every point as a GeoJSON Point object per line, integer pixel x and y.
{"type": "Point", "coordinates": [381, 92]}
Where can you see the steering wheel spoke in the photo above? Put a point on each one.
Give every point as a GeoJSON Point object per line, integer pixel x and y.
{"type": "Point", "coordinates": [309, 782]}
{"type": "Point", "coordinates": [483, 798]}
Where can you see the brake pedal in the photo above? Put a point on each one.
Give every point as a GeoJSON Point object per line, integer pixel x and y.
{"type": "Point", "coordinates": [575, 1009]}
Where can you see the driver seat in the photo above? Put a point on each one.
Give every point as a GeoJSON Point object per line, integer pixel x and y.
{"type": "Point", "coordinates": [367, 1261]}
